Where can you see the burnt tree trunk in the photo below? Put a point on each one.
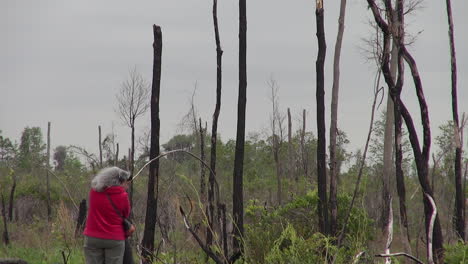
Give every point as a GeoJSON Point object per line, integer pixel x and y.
{"type": "Point", "coordinates": [12, 196]}
{"type": "Point", "coordinates": [132, 162]}
{"type": "Point", "coordinates": [202, 156]}
{"type": "Point", "coordinates": [291, 174]}
{"type": "Point", "coordinates": [80, 221]}
{"type": "Point", "coordinates": [322, 208]}
{"type": "Point", "coordinates": [49, 209]}
{"type": "Point", "coordinates": [116, 161]}
{"type": "Point", "coordinates": [303, 145]}
{"type": "Point", "coordinates": [459, 192]}
{"type": "Point", "coordinates": [334, 121]}
{"type": "Point", "coordinates": [421, 154]}
{"type": "Point", "coordinates": [214, 127]}
{"type": "Point", "coordinates": [153, 177]}
{"type": "Point", "coordinates": [6, 237]}
{"type": "Point", "coordinates": [237, 194]}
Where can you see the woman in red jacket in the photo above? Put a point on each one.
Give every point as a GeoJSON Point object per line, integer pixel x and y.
{"type": "Point", "coordinates": [108, 203]}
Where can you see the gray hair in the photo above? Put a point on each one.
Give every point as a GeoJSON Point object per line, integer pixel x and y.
{"type": "Point", "coordinates": [111, 176]}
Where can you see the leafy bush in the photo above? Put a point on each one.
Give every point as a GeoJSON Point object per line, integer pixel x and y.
{"type": "Point", "coordinates": [268, 228]}
{"type": "Point", "coordinates": [456, 253]}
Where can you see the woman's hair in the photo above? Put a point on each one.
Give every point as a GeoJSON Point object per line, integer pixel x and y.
{"type": "Point", "coordinates": [111, 176]}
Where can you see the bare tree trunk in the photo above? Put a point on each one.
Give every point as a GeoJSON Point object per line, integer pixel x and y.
{"type": "Point", "coordinates": [153, 177]}
{"type": "Point", "coordinates": [400, 180]}
{"type": "Point", "coordinates": [396, 116]}
{"type": "Point", "coordinates": [49, 209]}
{"type": "Point", "coordinates": [116, 161]}
{"type": "Point", "coordinates": [237, 194]}
{"type": "Point", "coordinates": [214, 128]}
{"type": "Point", "coordinates": [459, 193]}
{"type": "Point", "coordinates": [303, 145]}
{"type": "Point", "coordinates": [6, 237]}
{"type": "Point", "coordinates": [80, 221]}
{"type": "Point", "coordinates": [388, 163]}
{"type": "Point", "coordinates": [202, 168]}
{"type": "Point", "coordinates": [132, 162]}
{"type": "Point", "coordinates": [291, 159]}
{"type": "Point", "coordinates": [100, 147]}
{"type": "Point", "coordinates": [334, 120]}
{"type": "Point", "coordinates": [421, 155]}
{"type": "Point", "coordinates": [322, 208]}
{"type": "Point", "coordinates": [12, 196]}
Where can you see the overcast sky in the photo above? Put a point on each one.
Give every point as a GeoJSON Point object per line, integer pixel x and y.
{"type": "Point", "coordinates": [64, 61]}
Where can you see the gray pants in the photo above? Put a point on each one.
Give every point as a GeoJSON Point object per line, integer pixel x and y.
{"type": "Point", "coordinates": [103, 251]}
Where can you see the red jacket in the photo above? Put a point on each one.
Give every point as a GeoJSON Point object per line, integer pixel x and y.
{"type": "Point", "coordinates": [103, 221]}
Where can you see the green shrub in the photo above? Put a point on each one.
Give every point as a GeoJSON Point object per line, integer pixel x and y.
{"type": "Point", "coordinates": [266, 226]}
{"type": "Point", "coordinates": [456, 253]}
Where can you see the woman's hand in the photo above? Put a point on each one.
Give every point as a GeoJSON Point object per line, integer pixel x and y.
{"type": "Point", "coordinates": [131, 230]}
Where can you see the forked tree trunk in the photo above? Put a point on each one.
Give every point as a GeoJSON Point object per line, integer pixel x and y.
{"type": "Point", "coordinates": [322, 208]}
{"type": "Point", "coordinates": [334, 120]}
{"type": "Point", "coordinates": [237, 194]}
{"type": "Point", "coordinates": [459, 193]}
{"type": "Point", "coordinates": [421, 154]}
{"type": "Point", "coordinates": [153, 177]}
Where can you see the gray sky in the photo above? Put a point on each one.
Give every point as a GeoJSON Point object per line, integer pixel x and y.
{"type": "Point", "coordinates": [64, 61]}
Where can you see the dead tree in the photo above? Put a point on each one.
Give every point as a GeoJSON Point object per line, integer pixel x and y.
{"type": "Point", "coordinates": [322, 208]}
{"type": "Point", "coordinates": [291, 159]}
{"type": "Point", "coordinates": [214, 128]}
{"type": "Point", "coordinates": [303, 145]}
{"type": "Point", "coordinates": [6, 237]}
{"type": "Point", "coordinates": [202, 155]}
{"type": "Point", "coordinates": [459, 192]}
{"type": "Point", "coordinates": [153, 177]}
{"type": "Point", "coordinates": [238, 189]}
{"type": "Point", "coordinates": [334, 120]}
{"type": "Point", "coordinates": [49, 210]}
{"type": "Point", "coordinates": [421, 154]}
{"type": "Point", "coordinates": [132, 102]}
{"type": "Point", "coordinates": [80, 221]}
{"type": "Point", "coordinates": [12, 196]}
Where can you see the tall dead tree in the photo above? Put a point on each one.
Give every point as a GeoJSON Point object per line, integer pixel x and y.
{"type": "Point", "coordinates": [334, 120]}
{"type": "Point", "coordinates": [49, 209]}
{"type": "Point", "coordinates": [322, 208]}
{"type": "Point", "coordinates": [153, 177]}
{"type": "Point", "coordinates": [238, 189]}
{"type": "Point", "coordinates": [421, 154]}
{"type": "Point", "coordinates": [214, 127]}
{"type": "Point", "coordinates": [459, 192]}
{"type": "Point", "coordinates": [132, 102]}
